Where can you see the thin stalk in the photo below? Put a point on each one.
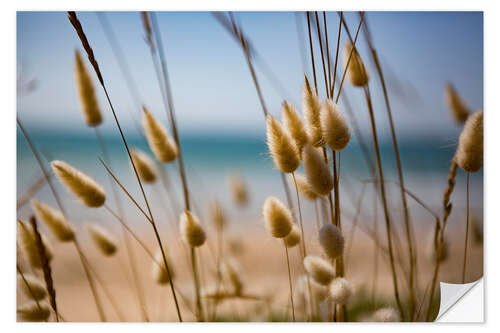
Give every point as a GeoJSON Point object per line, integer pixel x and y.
{"type": "Point", "coordinates": [316, 214]}
{"type": "Point", "coordinates": [130, 255]}
{"type": "Point", "coordinates": [408, 229]}
{"type": "Point", "coordinates": [79, 29]}
{"type": "Point", "coordinates": [289, 281]}
{"type": "Point", "coordinates": [384, 199]}
{"type": "Point", "coordinates": [464, 268]}
{"type": "Point", "coordinates": [312, 52]}
{"type": "Point", "coordinates": [303, 241]}
{"type": "Point", "coordinates": [327, 53]}
{"type": "Point", "coordinates": [322, 53]}
{"type": "Point", "coordinates": [376, 250]}
{"type": "Point", "coordinates": [30, 192]}
{"type": "Point", "coordinates": [336, 55]}
{"type": "Point", "coordinates": [194, 266]}
{"type": "Point", "coordinates": [97, 299]}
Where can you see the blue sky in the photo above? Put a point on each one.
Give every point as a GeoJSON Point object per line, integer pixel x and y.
{"type": "Point", "coordinates": [211, 84]}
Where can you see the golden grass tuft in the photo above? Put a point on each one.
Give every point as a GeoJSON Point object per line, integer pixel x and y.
{"type": "Point", "coordinates": [191, 231]}
{"type": "Point", "coordinates": [217, 215]}
{"type": "Point", "coordinates": [33, 311]}
{"type": "Point", "coordinates": [283, 150]}
{"type": "Point", "coordinates": [145, 166]}
{"type": "Point", "coordinates": [386, 315]}
{"type": "Point", "coordinates": [340, 290]}
{"type": "Point", "coordinates": [102, 239]}
{"type": "Point", "coordinates": [29, 247]}
{"type": "Point", "coordinates": [317, 172]}
{"type": "Point", "coordinates": [86, 189]}
{"type": "Point", "coordinates": [319, 269]}
{"type": "Point", "coordinates": [357, 73]}
{"type": "Point", "coordinates": [54, 220]}
{"type": "Point", "coordinates": [277, 217]}
{"type": "Point", "coordinates": [311, 107]}
{"type": "Point", "coordinates": [331, 240]}
{"type": "Point", "coordinates": [335, 129]}
{"type": "Point", "coordinates": [293, 237]}
{"type": "Point", "coordinates": [304, 187]}
{"type": "Point", "coordinates": [239, 190]}
{"type": "Point", "coordinates": [457, 106]}
{"type": "Point", "coordinates": [36, 289]}
{"type": "Point", "coordinates": [294, 126]}
{"type": "Point", "coordinates": [469, 155]}
{"type": "Point", "coordinates": [159, 272]}
{"type": "Point", "coordinates": [86, 92]}
{"type": "Point", "coordinates": [160, 142]}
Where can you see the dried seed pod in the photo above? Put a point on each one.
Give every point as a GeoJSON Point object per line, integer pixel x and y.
{"type": "Point", "coordinates": [386, 315]}
{"type": "Point", "coordinates": [54, 220]}
{"type": "Point", "coordinates": [304, 187]}
{"type": "Point", "coordinates": [317, 172]}
{"type": "Point", "coordinates": [27, 242]}
{"type": "Point", "coordinates": [331, 240]}
{"type": "Point", "coordinates": [293, 237]}
{"type": "Point", "coordinates": [319, 269]}
{"type": "Point", "coordinates": [311, 107]}
{"type": "Point", "coordinates": [34, 312]}
{"type": "Point", "coordinates": [469, 155]}
{"type": "Point", "coordinates": [335, 129]}
{"type": "Point", "coordinates": [357, 73]}
{"type": "Point", "coordinates": [35, 288]}
{"type": "Point", "coordinates": [88, 98]}
{"type": "Point", "coordinates": [159, 141]}
{"type": "Point", "coordinates": [294, 126]}
{"type": "Point", "coordinates": [340, 290]}
{"type": "Point", "coordinates": [277, 217]}
{"type": "Point", "coordinates": [458, 108]}
{"type": "Point", "coordinates": [159, 270]}
{"type": "Point", "coordinates": [144, 165]}
{"type": "Point", "coordinates": [102, 239]}
{"type": "Point", "coordinates": [191, 231]}
{"type": "Point", "coordinates": [86, 189]}
{"type": "Point", "coordinates": [283, 150]}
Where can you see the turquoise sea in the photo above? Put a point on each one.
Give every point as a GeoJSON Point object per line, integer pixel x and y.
{"type": "Point", "coordinates": [211, 158]}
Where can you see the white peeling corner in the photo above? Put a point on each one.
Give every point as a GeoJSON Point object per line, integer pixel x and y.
{"type": "Point", "coordinates": [462, 303]}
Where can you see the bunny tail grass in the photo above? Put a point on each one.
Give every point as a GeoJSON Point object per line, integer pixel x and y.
{"type": "Point", "coordinates": [102, 239]}
{"type": "Point", "coordinates": [469, 155]}
{"type": "Point", "coordinates": [294, 126]}
{"type": "Point", "coordinates": [145, 166]}
{"type": "Point", "coordinates": [311, 108]}
{"type": "Point", "coordinates": [86, 189]}
{"type": "Point", "coordinates": [357, 73]}
{"type": "Point", "coordinates": [335, 129]}
{"type": "Point", "coordinates": [317, 172]}
{"type": "Point", "coordinates": [159, 140]}
{"type": "Point", "coordinates": [457, 106]}
{"type": "Point", "coordinates": [283, 150]}
{"type": "Point", "coordinates": [88, 99]}
{"type": "Point", "coordinates": [54, 220]}
{"type": "Point", "coordinates": [277, 217]}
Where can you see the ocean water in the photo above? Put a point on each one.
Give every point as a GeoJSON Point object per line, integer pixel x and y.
{"type": "Point", "coordinates": [211, 158]}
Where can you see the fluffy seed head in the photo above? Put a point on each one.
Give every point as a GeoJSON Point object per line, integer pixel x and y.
{"type": "Point", "coordinates": [283, 150]}
{"type": "Point", "coordinates": [311, 108]}
{"type": "Point", "coordinates": [304, 187]}
{"type": "Point", "coordinates": [102, 239]}
{"type": "Point", "coordinates": [293, 237]}
{"type": "Point", "coordinates": [317, 172]}
{"type": "Point", "coordinates": [85, 87]}
{"type": "Point", "coordinates": [145, 166]}
{"type": "Point", "coordinates": [217, 215]}
{"type": "Point", "coordinates": [469, 155]}
{"type": "Point", "coordinates": [239, 190]}
{"type": "Point", "coordinates": [191, 231]}
{"type": "Point", "coordinates": [386, 315]}
{"type": "Point", "coordinates": [294, 126]}
{"type": "Point", "coordinates": [335, 130]}
{"type": "Point", "coordinates": [32, 312]}
{"type": "Point", "coordinates": [458, 108]}
{"type": "Point", "coordinates": [158, 268]}
{"type": "Point", "coordinates": [27, 242]}
{"type": "Point", "coordinates": [36, 290]}
{"type": "Point", "coordinates": [86, 189]}
{"type": "Point", "coordinates": [277, 217]}
{"type": "Point", "coordinates": [232, 272]}
{"type": "Point", "coordinates": [54, 220]}
{"type": "Point", "coordinates": [340, 290]}
{"type": "Point", "coordinates": [357, 73]}
{"type": "Point", "coordinates": [331, 240]}
{"type": "Point", "coordinates": [319, 269]}
{"type": "Point", "coordinates": [159, 141]}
